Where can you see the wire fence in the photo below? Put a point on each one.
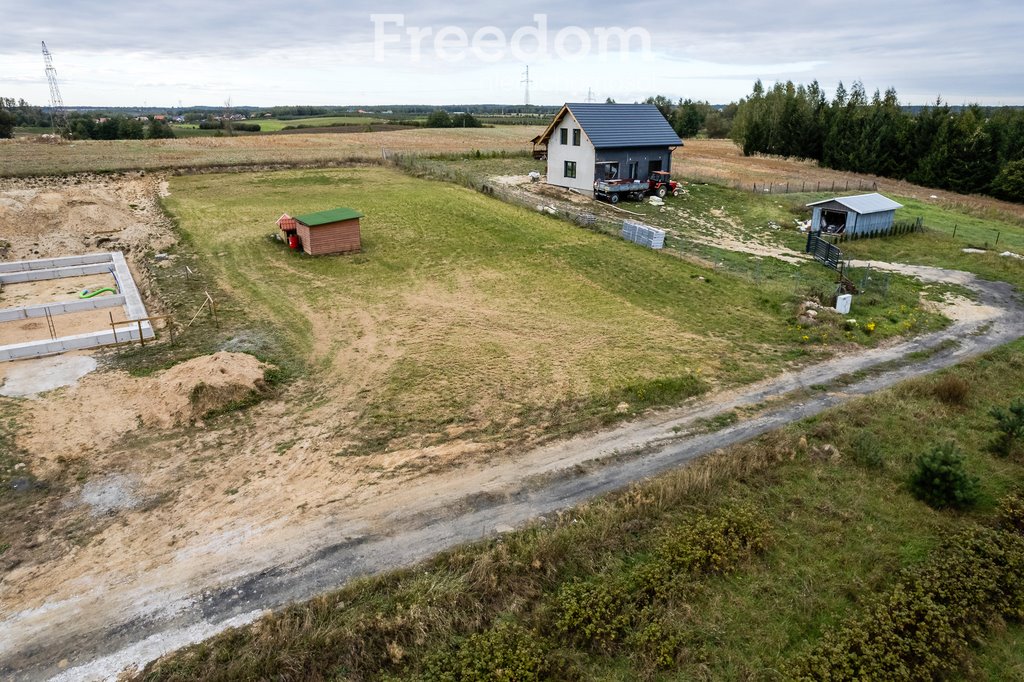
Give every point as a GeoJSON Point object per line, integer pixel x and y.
{"type": "Point", "coordinates": [814, 283]}
{"type": "Point", "coordinates": [804, 186]}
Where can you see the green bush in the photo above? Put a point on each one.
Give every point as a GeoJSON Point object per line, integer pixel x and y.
{"type": "Point", "coordinates": [940, 479]}
{"type": "Point", "coordinates": [866, 449]}
{"type": "Point", "coordinates": [595, 613]}
{"type": "Point", "coordinates": [506, 653]}
{"type": "Point", "coordinates": [1010, 514]}
{"type": "Point", "coordinates": [655, 644]}
{"type": "Point", "coordinates": [922, 628]}
{"type": "Point", "coordinates": [708, 545]}
{"type": "Point", "coordinates": [1010, 423]}
{"type": "Point", "coordinates": [604, 611]}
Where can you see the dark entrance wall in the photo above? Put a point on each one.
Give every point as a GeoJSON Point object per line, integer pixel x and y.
{"type": "Point", "coordinates": [634, 158]}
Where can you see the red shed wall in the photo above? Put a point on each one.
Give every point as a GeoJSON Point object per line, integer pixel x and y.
{"type": "Point", "coordinates": [340, 237]}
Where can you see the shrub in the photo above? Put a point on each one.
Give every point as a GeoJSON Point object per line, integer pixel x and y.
{"type": "Point", "coordinates": [1010, 514]}
{"type": "Point", "coordinates": [951, 389]}
{"type": "Point", "coordinates": [1010, 423]}
{"type": "Point", "coordinates": [605, 611]}
{"type": "Point", "coordinates": [922, 627]}
{"type": "Point", "coordinates": [867, 450]}
{"type": "Point", "coordinates": [597, 613]}
{"type": "Point", "coordinates": [507, 652]}
{"type": "Point", "coordinates": [941, 479]}
{"type": "Point", "coordinates": [656, 644]}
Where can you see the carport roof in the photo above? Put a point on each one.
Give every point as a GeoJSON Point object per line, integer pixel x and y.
{"type": "Point", "coordinates": [862, 203]}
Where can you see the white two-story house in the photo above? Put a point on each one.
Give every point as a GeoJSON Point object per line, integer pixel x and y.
{"type": "Point", "coordinates": [587, 142]}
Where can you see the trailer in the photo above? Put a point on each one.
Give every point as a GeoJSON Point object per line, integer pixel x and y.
{"type": "Point", "coordinates": [615, 190]}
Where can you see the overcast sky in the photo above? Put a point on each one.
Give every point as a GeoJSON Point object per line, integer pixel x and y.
{"type": "Point", "coordinates": [266, 52]}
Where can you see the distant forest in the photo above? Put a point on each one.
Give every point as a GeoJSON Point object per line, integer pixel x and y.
{"type": "Point", "coordinates": [971, 150]}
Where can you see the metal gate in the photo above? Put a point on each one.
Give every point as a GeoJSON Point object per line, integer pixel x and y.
{"type": "Point", "coordinates": [824, 252]}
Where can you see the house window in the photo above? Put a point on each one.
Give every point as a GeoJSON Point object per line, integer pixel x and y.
{"type": "Point", "coordinates": [575, 137]}
{"type": "Point", "coordinates": [570, 169]}
{"type": "Point", "coordinates": [565, 135]}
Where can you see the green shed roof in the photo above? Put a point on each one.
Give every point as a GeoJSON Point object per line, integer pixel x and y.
{"type": "Point", "coordinates": [334, 215]}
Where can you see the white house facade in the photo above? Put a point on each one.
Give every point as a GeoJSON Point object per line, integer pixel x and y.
{"type": "Point", "coordinates": [571, 156]}
{"type": "Point", "coordinates": [587, 142]}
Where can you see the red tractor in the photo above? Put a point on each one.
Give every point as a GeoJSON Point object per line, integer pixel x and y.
{"type": "Point", "coordinates": [661, 183]}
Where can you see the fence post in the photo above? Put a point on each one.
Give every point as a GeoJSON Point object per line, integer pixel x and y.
{"type": "Point", "coordinates": [833, 185]}
{"type": "Point", "coordinates": [787, 188]}
{"type": "Point", "coordinates": [954, 230]}
{"type": "Point", "coordinates": [997, 238]}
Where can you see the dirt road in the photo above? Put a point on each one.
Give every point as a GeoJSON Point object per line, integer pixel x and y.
{"type": "Point", "coordinates": [101, 628]}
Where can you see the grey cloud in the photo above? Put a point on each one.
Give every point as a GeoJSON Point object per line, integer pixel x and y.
{"type": "Point", "coordinates": [920, 45]}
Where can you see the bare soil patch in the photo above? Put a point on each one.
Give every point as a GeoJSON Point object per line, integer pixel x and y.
{"type": "Point", "coordinates": [52, 217]}
{"type": "Point", "coordinates": [36, 329]}
{"type": "Point", "coordinates": [53, 290]}
{"type": "Point", "coordinates": [83, 420]}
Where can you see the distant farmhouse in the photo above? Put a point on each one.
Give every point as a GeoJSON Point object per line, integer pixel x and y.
{"type": "Point", "coordinates": [862, 214]}
{"type": "Point", "coordinates": [587, 142]}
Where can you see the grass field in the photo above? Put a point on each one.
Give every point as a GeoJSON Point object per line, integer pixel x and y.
{"type": "Point", "coordinates": [270, 125]}
{"type": "Point", "coordinates": [465, 312]}
{"type": "Point", "coordinates": [822, 536]}
{"type": "Point", "coordinates": [937, 245]}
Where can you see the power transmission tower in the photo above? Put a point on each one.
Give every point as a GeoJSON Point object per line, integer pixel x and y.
{"type": "Point", "coordinates": [590, 95]}
{"type": "Point", "coordinates": [527, 81]}
{"type": "Point", "coordinates": [58, 115]}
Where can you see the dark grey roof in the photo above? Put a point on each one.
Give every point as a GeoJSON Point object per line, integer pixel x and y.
{"type": "Point", "coordinates": [622, 125]}
{"type": "Point", "coordinates": [863, 203]}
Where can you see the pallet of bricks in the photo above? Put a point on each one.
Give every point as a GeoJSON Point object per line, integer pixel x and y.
{"type": "Point", "coordinates": [644, 235]}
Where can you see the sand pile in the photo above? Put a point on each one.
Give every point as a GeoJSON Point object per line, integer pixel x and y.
{"type": "Point", "coordinates": [88, 417]}
{"type": "Point", "coordinates": [186, 392]}
{"type": "Point", "coordinates": [47, 217]}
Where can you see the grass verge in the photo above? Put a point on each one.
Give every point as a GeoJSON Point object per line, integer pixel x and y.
{"type": "Point", "coordinates": [835, 526]}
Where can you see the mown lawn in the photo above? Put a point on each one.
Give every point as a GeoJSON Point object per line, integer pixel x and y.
{"type": "Point", "coordinates": [462, 310]}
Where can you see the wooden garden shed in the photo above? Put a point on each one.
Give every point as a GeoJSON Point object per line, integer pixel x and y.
{"type": "Point", "coordinates": [333, 231]}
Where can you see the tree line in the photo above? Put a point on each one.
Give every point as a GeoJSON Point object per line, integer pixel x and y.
{"type": "Point", "coordinates": [442, 119]}
{"type": "Point", "coordinates": [970, 150]}
{"type": "Point", "coordinates": [689, 118]}
{"type": "Point", "coordinates": [19, 113]}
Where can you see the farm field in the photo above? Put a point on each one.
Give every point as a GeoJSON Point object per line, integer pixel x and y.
{"type": "Point", "coordinates": [270, 125]}
{"type": "Point", "coordinates": [27, 157]}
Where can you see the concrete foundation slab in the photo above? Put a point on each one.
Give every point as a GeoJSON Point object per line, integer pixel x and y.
{"type": "Point", "coordinates": [74, 266]}
{"type": "Point", "coordinates": [29, 377]}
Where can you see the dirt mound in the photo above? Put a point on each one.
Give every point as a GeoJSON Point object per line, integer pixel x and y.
{"type": "Point", "coordinates": [47, 217]}
{"type": "Point", "coordinates": [191, 390]}
{"type": "Point", "coordinates": [88, 417]}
